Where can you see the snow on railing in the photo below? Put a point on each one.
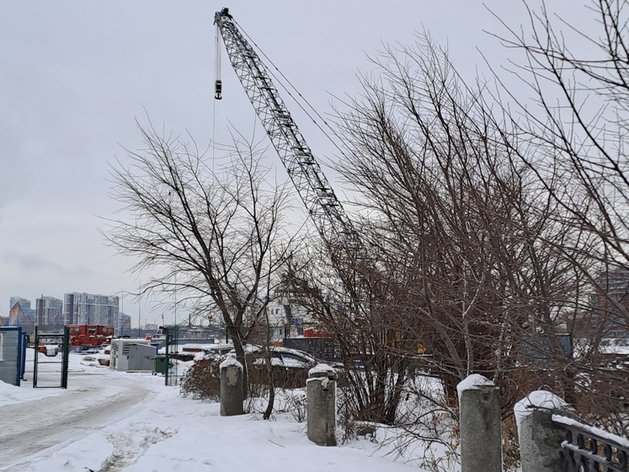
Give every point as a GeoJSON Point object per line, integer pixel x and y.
{"type": "Point", "coordinates": [588, 448]}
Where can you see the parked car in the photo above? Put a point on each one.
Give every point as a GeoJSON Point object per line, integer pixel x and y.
{"type": "Point", "coordinates": [50, 350]}
{"type": "Point", "coordinates": [216, 349]}
{"type": "Point", "coordinates": [289, 366]}
{"type": "Point", "coordinates": [287, 358]}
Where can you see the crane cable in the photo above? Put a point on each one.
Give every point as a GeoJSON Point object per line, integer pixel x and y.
{"type": "Point", "coordinates": [299, 104]}
{"type": "Point", "coordinates": [218, 89]}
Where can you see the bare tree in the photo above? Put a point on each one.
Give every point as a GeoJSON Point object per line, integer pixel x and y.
{"type": "Point", "coordinates": [578, 127]}
{"type": "Point", "coordinates": [490, 234]}
{"type": "Point", "coordinates": [465, 240]}
{"type": "Point", "coordinates": [215, 236]}
{"type": "Point", "coordinates": [372, 375]}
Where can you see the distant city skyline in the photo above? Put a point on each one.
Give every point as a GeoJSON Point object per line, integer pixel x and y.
{"type": "Point", "coordinates": [76, 308]}
{"type": "Point", "coordinates": [151, 312]}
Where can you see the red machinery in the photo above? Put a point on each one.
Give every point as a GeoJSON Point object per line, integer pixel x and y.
{"type": "Point", "coordinates": [90, 335]}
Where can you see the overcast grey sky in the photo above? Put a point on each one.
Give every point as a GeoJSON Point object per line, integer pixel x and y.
{"type": "Point", "coordinates": [75, 74]}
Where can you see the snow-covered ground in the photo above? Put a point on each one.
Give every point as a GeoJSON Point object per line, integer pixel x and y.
{"type": "Point", "coordinates": [112, 421]}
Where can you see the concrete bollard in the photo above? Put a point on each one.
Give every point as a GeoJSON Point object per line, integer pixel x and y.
{"type": "Point", "coordinates": [540, 439]}
{"type": "Point", "coordinates": [321, 405]}
{"type": "Point", "coordinates": [481, 438]}
{"type": "Point", "coordinates": [232, 387]}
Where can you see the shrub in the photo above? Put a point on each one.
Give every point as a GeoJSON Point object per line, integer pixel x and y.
{"type": "Point", "coordinates": [202, 379]}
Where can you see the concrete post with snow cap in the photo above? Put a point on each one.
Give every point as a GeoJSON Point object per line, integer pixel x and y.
{"type": "Point", "coordinates": [321, 405]}
{"type": "Point", "coordinates": [232, 387]}
{"type": "Point", "coordinates": [481, 438]}
{"type": "Point", "coordinates": [540, 439]}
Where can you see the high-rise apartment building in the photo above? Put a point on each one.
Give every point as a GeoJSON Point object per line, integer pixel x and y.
{"type": "Point", "coordinates": [49, 312]}
{"type": "Point", "coordinates": [611, 303]}
{"type": "Point", "coordinates": [87, 308]}
{"type": "Point", "coordinates": [25, 306]}
{"type": "Point", "coordinates": [21, 314]}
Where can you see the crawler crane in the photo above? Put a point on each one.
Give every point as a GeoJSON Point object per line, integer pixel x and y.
{"type": "Point", "coordinates": [332, 223]}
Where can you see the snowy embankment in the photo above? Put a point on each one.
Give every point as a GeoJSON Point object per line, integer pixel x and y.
{"type": "Point", "coordinates": [113, 421]}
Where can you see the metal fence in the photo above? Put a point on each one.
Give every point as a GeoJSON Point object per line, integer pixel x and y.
{"type": "Point", "coordinates": [589, 449]}
{"type": "Point", "coordinates": [551, 435]}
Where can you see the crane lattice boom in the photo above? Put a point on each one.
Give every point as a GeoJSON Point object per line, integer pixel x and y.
{"type": "Point", "coordinates": [305, 172]}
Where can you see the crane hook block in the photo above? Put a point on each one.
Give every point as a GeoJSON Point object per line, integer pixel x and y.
{"type": "Point", "coordinates": [218, 90]}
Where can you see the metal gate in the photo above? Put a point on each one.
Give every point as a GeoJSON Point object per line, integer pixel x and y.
{"type": "Point", "coordinates": [50, 368]}
{"type": "Point", "coordinates": [171, 368]}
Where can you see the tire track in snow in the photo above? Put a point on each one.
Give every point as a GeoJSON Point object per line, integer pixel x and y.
{"type": "Point", "coordinates": [54, 421]}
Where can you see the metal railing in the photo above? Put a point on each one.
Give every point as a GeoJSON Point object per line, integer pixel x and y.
{"type": "Point", "coordinates": [589, 449]}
